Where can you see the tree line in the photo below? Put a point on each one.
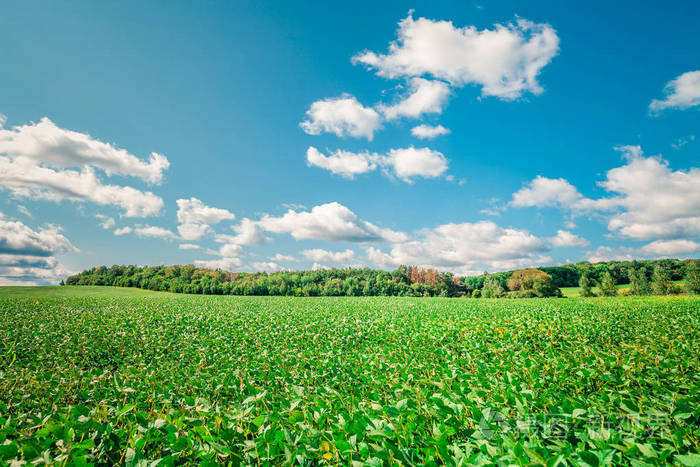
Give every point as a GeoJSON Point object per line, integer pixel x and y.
{"type": "Point", "coordinates": [644, 277]}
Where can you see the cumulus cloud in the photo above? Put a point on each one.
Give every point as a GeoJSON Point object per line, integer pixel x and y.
{"type": "Point", "coordinates": [154, 232]}
{"type": "Point", "coordinates": [188, 246]}
{"type": "Point", "coordinates": [424, 97]}
{"type": "Point", "coordinates": [648, 200]}
{"type": "Point", "coordinates": [606, 253]}
{"type": "Point", "coordinates": [332, 222]}
{"type": "Point", "coordinates": [465, 248]}
{"type": "Point", "coordinates": [230, 250]}
{"type": "Point", "coordinates": [678, 247]}
{"type": "Point", "coordinates": [248, 233]}
{"type": "Point", "coordinates": [225, 264]}
{"type": "Point", "coordinates": [31, 270]}
{"type": "Point", "coordinates": [193, 231]}
{"type": "Point", "coordinates": [429, 132]}
{"type": "Point", "coordinates": [195, 218]}
{"type": "Point", "coordinates": [194, 211]}
{"type": "Point", "coordinates": [564, 238]}
{"type": "Point", "coordinates": [44, 142]}
{"type": "Point", "coordinates": [123, 231]}
{"type": "Point", "coordinates": [680, 93]}
{"type": "Point", "coordinates": [343, 116]}
{"type": "Point", "coordinates": [405, 163]}
{"type": "Point", "coordinates": [417, 162]}
{"type": "Point", "coordinates": [267, 266]}
{"type": "Point", "coordinates": [43, 161]}
{"type": "Point", "coordinates": [344, 163]}
{"type": "Point", "coordinates": [25, 178]}
{"type": "Point", "coordinates": [655, 201]}
{"type": "Point", "coordinates": [543, 191]}
{"type": "Point", "coordinates": [319, 255]}
{"type": "Point", "coordinates": [26, 255]}
{"type": "Point", "coordinates": [18, 238]}
{"type": "Point", "coordinates": [505, 61]}
{"type": "Point", "coordinates": [280, 258]}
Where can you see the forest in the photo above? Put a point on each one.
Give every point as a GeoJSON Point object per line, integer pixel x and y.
{"type": "Point", "coordinates": [645, 277]}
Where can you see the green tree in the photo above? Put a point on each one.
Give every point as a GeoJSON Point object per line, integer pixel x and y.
{"type": "Point", "coordinates": [533, 283]}
{"type": "Point", "coordinates": [544, 287]}
{"type": "Point", "coordinates": [660, 281]}
{"type": "Point", "coordinates": [607, 285]}
{"type": "Point", "coordinates": [639, 284]}
{"type": "Point", "coordinates": [692, 278]}
{"type": "Point", "coordinates": [492, 288]}
{"type": "Point", "coordinates": [585, 283]}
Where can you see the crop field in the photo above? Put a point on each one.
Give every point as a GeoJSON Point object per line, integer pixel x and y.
{"type": "Point", "coordinates": [174, 379]}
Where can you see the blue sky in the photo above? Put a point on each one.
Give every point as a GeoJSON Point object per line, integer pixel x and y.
{"type": "Point", "coordinates": [286, 130]}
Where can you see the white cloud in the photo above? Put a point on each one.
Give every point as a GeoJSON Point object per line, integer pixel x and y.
{"type": "Point", "coordinates": [154, 232]}
{"type": "Point", "coordinates": [344, 116]}
{"type": "Point", "coordinates": [648, 200]}
{"type": "Point", "coordinates": [18, 238]}
{"type": "Point", "coordinates": [681, 93]}
{"type": "Point", "coordinates": [429, 132]}
{"type": "Point", "coordinates": [332, 222]}
{"type": "Point", "coordinates": [267, 266]}
{"type": "Point", "coordinates": [655, 201]}
{"type": "Point", "coordinates": [123, 231]}
{"type": "Point", "coordinates": [194, 211]}
{"type": "Point", "coordinates": [44, 142]}
{"type": "Point", "coordinates": [543, 191]}
{"type": "Point", "coordinates": [319, 255]}
{"type": "Point", "coordinates": [678, 247]}
{"type": "Point", "coordinates": [26, 255]}
{"type": "Point", "coordinates": [319, 267]}
{"type": "Point", "coordinates": [226, 264]}
{"type": "Point", "coordinates": [404, 163]}
{"type": "Point", "coordinates": [23, 210]}
{"type": "Point", "coordinates": [195, 218]}
{"type": "Point", "coordinates": [417, 162]}
{"type": "Point", "coordinates": [188, 246]}
{"type": "Point", "coordinates": [43, 161]}
{"type": "Point", "coordinates": [107, 222]}
{"type": "Point", "coordinates": [425, 97]}
{"type": "Point", "coordinates": [230, 250]}
{"type": "Point", "coordinates": [344, 163]}
{"type": "Point", "coordinates": [606, 253]}
{"type": "Point", "coordinates": [26, 178]}
{"type": "Point", "coordinates": [565, 238]}
{"type": "Point", "coordinates": [680, 142]}
{"type": "Point", "coordinates": [193, 231]}
{"type": "Point", "coordinates": [505, 61]}
{"type": "Point", "coordinates": [465, 248]}
{"type": "Point", "coordinates": [31, 270]}
{"type": "Point", "coordinates": [281, 257]}
{"type": "Point", "coordinates": [248, 233]}
{"type": "Point", "coordinates": [656, 249]}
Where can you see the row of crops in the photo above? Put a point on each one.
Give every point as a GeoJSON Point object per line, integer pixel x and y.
{"type": "Point", "coordinates": [353, 381]}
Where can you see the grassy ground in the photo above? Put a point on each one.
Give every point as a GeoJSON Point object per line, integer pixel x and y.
{"type": "Point", "coordinates": [76, 291]}
{"type": "Point", "coordinates": [575, 292]}
{"type": "Point", "coordinates": [112, 379]}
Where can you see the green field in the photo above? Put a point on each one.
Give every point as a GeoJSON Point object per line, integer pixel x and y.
{"type": "Point", "coordinates": [575, 292]}
{"type": "Point", "coordinates": [76, 291]}
{"type": "Point", "coordinates": [131, 379]}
